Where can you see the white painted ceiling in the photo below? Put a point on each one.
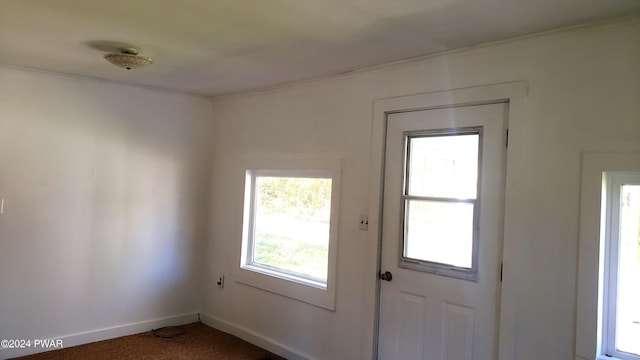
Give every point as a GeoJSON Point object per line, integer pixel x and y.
{"type": "Point", "coordinates": [211, 47]}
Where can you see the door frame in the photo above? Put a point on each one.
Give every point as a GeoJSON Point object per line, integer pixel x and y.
{"type": "Point", "coordinates": [514, 93]}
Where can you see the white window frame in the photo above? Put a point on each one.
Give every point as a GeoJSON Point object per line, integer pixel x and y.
{"type": "Point", "coordinates": [613, 182]}
{"type": "Point", "coordinates": [591, 257]}
{"type": "Point", "coordinates": [293, 285]}
{"type": "Point", "coordinates": [449, 270]}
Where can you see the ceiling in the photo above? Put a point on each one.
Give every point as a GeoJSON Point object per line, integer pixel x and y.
{"type": "Point", "coordinates": [212, 47]}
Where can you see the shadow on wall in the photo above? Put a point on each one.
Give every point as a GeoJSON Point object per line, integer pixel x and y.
{"type": "Point", "coordinates": [103, 194]}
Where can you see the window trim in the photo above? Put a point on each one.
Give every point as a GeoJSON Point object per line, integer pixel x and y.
{"type": "Point", "coordinates": [449, 270]}
{"type": "Point", "coordinates": [591, 251]}
{"type": "Point", "coordinates": [248, 260]}
{"type": "Point", "coordinates": [283, 282]}
{"type": "Point", "coordinates": [612, 183]}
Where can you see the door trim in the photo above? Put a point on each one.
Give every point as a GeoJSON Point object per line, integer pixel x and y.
{"type": "Point", "coordinates": [515, 94]}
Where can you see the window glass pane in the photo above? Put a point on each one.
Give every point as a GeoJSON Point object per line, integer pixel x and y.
{"type": "Point", "coordinates": [443, 166]}
{"type": "Point", "coordinates": [292, 224]}
{"type": "Point", "coordinates": [628, 317]}
{"type": "Point", "coordinates": [440, 232]}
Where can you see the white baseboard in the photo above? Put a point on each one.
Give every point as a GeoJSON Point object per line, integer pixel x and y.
{"type": "Point", "coordinates": [253, 337]}
{"type": "Point", "coordinates": [103, 334]}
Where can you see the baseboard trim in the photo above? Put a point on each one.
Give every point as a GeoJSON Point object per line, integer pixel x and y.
{"type": "Point", "coordinates": [253, 337]}
{"type": "Point", "coordinates": [105, 333]}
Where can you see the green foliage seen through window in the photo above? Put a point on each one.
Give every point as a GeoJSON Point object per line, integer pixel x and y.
{"type": "Point", "coordinates": [310, 197]}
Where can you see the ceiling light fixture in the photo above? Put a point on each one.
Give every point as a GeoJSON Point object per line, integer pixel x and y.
{"type": "Point", "coordinates": [128, 59]}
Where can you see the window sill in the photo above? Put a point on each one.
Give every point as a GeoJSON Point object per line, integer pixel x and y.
{"type": "Point", "coordinates": [303, 290]}
{"type": "Point", "coordinates": [284, 276]}
{"type": "Point", "coordinates": [604, 357]}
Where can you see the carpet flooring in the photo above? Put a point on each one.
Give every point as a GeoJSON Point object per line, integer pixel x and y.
{"type": "Point", "coordinates": [193, 341]}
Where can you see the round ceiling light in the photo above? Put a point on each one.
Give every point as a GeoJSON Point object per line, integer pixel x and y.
{"type": "Point", "coordinates": [128, 59]}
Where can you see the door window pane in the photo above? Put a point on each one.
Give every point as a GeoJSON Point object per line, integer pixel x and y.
{"type": "Point", "coordinates": [443, 166]}
{"type": "Point", "coordinates": [628, 317]}
{"type": "Point", "coordinates": [440, 198]}
{"type": "Point", "coordinates": [439, 232]}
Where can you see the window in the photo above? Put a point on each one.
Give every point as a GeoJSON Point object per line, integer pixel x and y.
{"type": "Point", "coordinates": [621, 292]}
{"type": "Point", "coordinates": [290, 227]}
{"type": "Point", "coordinates": [598, 290]}
{"type": "Point", "coordinates": [440, 194]}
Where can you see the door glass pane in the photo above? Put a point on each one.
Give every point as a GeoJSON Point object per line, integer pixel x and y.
{"type": "Point", "coordinates": [628, 319]}
{"type": "Point", "coordinates": [443, 166]}
{"type": "Point", "coordinates": [440, 232]}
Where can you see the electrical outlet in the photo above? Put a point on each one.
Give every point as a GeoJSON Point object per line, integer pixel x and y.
{"type": "Point", "coordinates": [220, 281]}
{"type": "Point", "coordinates": [363, 223]}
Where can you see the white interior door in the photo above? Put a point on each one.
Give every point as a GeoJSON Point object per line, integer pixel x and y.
{"type": "Point", "coordinates": [442, 228]}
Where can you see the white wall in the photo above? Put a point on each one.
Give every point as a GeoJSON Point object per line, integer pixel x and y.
{"type": "Point", "coordinates": [584, 95]}
{"type": "Point", "coordinates": [104, 190]}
